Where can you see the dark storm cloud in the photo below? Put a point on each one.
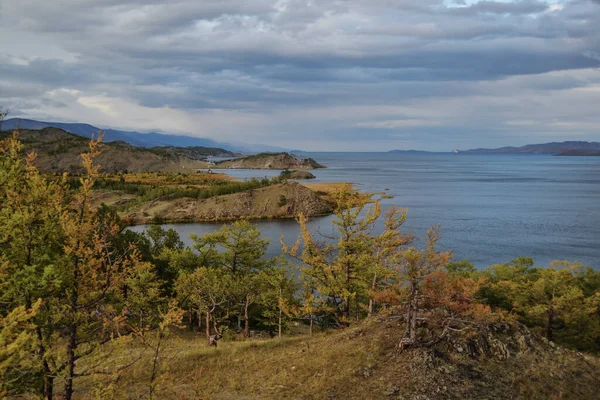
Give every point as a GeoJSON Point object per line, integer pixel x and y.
{"type": "Point", "coordinates": [281, 59]}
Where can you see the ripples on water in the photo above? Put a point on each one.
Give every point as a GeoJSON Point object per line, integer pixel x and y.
{"type": "Point", "coordinates": [491, 208]}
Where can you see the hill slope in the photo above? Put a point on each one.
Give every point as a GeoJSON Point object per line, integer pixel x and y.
{"type": "Point", "coordinates": [563, 148]}
{"type": "Point", "coordinates": [363, 362]}
{"type": "Point", "coordinates": [285, 200]}
{"type": "Point", "coordinates": [59, 151]}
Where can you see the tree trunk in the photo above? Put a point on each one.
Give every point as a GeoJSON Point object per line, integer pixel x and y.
{"type": "Point", "coordinates": [347, 308]}
{"type": "Point", "coordinates": [310, 326]}
{"type": "Point", "coordinates": [408, 315]}
{"type": "Point", "coordinates": [72, 345]}
{"type": "Point", "coordinates": [371, 302]}
{"type": "Point", "coordinates": [550, 323]}
{"type": "Point", "coordinates": [280, 311]}
{"type": "Point", "coordinates": [155, 365]}
{"type": "Point", "coordinates": [279, 333]}
{"type": "Point", "coordinates": [246, 317]}
{"type": "Point", "coordinates": [208, 326]}
{"type": "Point", "coordinates": [199, 314]}
{"type": "Point", "coordinates": [239, 323]}
{"type": "Point", "coordinates": [48, 387]}
{"type": "Point", "coordinates": [410, 336]}
{"type": "Point", "coordinates": [71, 361]}
{"type": "Point", "coordinates": [413, 322]}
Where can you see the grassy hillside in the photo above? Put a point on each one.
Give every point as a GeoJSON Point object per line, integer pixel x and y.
{"type": "Point", "coordinates": [59, 151]}
{"type": "Point", "coordinates": [285, 200]}
{"type": "Point", "coordinates": [363, 362]}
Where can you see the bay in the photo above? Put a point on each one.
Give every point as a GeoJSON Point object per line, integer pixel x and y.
{"type": "Point", "coordinates": [491, 208]}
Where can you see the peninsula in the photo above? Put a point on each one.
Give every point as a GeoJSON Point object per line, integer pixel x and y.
{"type": "Point", "coordinates": [277, 161]}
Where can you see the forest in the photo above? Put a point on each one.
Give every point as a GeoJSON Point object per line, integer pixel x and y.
{"type": "Point", "coordinates": [74, 282]}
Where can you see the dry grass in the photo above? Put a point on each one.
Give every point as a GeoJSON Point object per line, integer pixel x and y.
{"type": "Point", "coordinates": [300, 367]}
{"type": "Point", "coordinates": [361, 362]}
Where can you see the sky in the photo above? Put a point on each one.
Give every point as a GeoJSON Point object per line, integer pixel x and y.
{"type": "Point", "coordinates": [321, 75]}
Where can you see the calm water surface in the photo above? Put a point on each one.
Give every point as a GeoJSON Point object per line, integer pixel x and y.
{"type": "Point", "coordinates": [491, 208]}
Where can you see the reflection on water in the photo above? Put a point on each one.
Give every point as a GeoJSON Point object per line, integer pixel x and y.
{"type": "Point", "coordinates": [492, 208]}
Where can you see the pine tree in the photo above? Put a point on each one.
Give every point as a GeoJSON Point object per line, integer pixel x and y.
{"type": "Point", "coordinates": [414, 266]}
{"type": "Point", "coordinates": [277, 301]}
{"type": "Point", "coordinates": [386, 248]}
{"type": "Point", "coordinates": [30, 249]}
{"type": "Point", "coordinates": [343, 268]}
{"type": "Point", "coordinates": [18, 340]}
{"type": "Point", "coordinates": [243, 257]}
{"type": "Point", "coordinates": [57, 248]}
{"type": "Point", "coordinates": [90, 274]}
{"type": "Point", "coordinates": [206, 290]}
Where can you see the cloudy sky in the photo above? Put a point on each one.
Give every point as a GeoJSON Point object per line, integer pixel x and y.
{"type": "Point", "coordinates": [315, 75]}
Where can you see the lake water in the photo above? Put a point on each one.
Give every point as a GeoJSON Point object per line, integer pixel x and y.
{"type": "Point", "coordinates": [491, 208]}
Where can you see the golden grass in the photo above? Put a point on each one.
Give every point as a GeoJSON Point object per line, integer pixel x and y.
{"type": "Point", "coordinates": [302, 366]}
{"type": "Point", "coordinates": [361, 362]}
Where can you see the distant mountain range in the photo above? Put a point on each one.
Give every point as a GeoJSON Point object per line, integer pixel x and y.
{"type": "Point", "coordinates": [570, 148]}
{"type": "Point", "coordinates": [135, 138]}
